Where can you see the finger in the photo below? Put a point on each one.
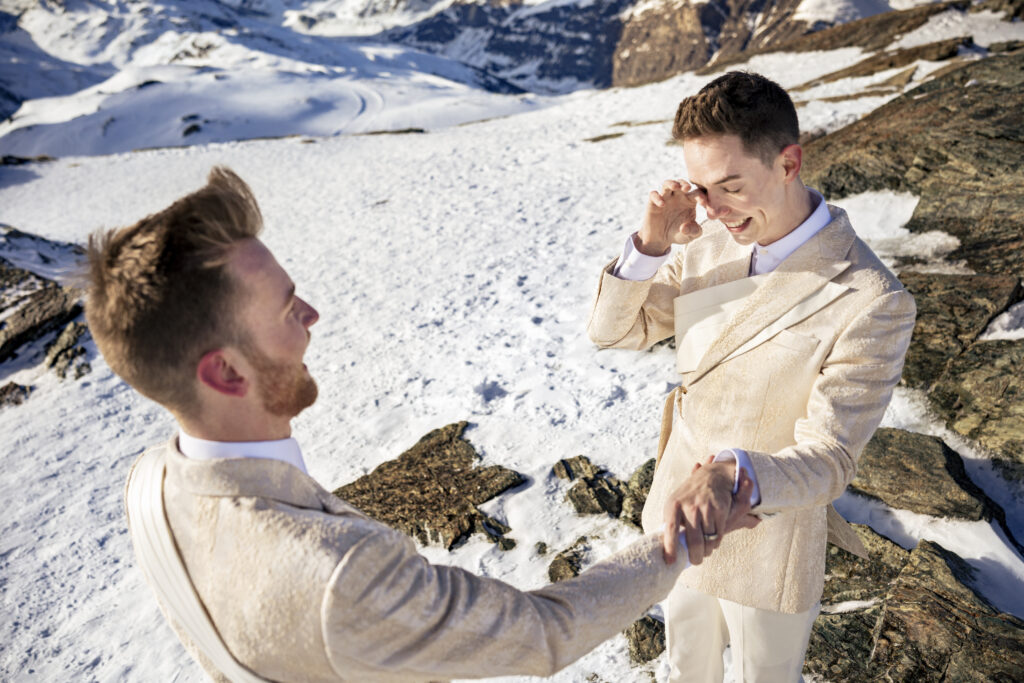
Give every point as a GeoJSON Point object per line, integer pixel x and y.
{"type": "Point", "coordinates": [694, 538]}
{"type": "Point", "coordinates": [696, 466]}
{"type": "Point", "coordinates": [710, 459]}
{"type": "Point", "coordinates": [671, 185]}
{"type": "Point", "coordinates": [740, 504]}
{"type": "Point", "coordinates": [656, 199]}
{"type": "Point", "coordinates": [669, 538]}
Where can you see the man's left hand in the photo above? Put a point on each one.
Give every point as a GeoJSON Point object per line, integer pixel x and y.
{"type": "Point", "coordinates": [705, 509]}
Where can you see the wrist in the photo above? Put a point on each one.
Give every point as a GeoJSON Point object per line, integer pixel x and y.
{"type": "Point", "coordinates": [649, 248]}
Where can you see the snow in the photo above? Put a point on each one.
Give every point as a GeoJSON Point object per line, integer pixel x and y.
{"type": "Point", "coordinates": [453, 272]}
{"type": "Point", "coordinates": [1007, 325]}
{"type": "Point", "coordinates": [985, 27]}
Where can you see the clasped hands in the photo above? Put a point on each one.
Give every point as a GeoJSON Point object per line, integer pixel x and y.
{"type": "Point", "coordinates": [705, 509]}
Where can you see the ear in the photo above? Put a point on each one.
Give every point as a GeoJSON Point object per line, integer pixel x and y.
{"type": "Point", "coordinates": [216, 371]}
{"type": "Point", "coordinates": [792, 157]}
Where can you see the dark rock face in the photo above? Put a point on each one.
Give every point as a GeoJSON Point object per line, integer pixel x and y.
{"type": "Point", "coordinates": [636, 493]}
{"type": "Point", "coordinates": [961, 130]}
{"type": "Point", "coordinates": [66, 349]}
{"type": "Point", "coordinates": [431, 490]}
{"type": "Point", "coordinates": [646, 638]}
{"type": "Point", "coordinates": [952, 311]}
{"type": "Point", "coordinates": [593, 493]}
{"type": "Point", "coordinates": [32, 306]}
{"type": "Point", "coordinates": [569, 562]}
{"type": "Point", "coordinates": [981, 395]}
{"type": "Point", "coordinates": [909, 471]}
{"type": "Point", "coordinates": [909, 616]}
{"type": "Point", "coordinates": [570, 41]}
{"type": "Point", "coordinates": [894, 59]}
{"type": "Point", "coordinates": [12, 394]}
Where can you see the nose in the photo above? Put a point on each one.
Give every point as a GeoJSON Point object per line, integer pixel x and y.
{"type": "Point", "coordinates": [308, 315]}
{"type": "Point", "coordinates": [714, 209]}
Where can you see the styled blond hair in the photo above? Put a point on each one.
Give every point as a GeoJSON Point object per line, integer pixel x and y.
{"type": "Point", "coordinates": [159, 294]}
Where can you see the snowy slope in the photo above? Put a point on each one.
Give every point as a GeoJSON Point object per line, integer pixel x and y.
{"type": "Point", "coordinates": [444, 265]}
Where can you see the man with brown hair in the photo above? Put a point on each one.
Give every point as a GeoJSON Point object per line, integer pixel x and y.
{"type": "Point", "coordinates": [790, 336]}
{"type": "Point", "coordinates": [264, 574]}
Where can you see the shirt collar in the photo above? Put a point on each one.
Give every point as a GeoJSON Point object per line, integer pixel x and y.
{"type": "Point", "coordinates": [769, 257]}
{"type": "Point", "coordinates": [285, 450]}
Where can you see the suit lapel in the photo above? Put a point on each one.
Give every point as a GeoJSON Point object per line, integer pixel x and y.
{"type": "Point", "coordinates": [806, 272]}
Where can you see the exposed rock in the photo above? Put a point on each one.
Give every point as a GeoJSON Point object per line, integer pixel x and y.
{"type": "Point", "coordinates": [559, 41]}
{"type": "Point", "coordinates": [908, 616]}
{"type": "Point", "coordinates": [663, 41]}
{"type": "Point", "coordinates": [981, 396]}
{"type": "Point", "coordinates": [593, 493]}
{"type": "Point", "coordinates": [431, 490]}
{"type": "Point", "coordinates": [959, 132]}
{"type": "Point", "coordinates": [31, 306]}
{"type": "Point", "coordinates": [870, 34]}
{"type": "Point", "coordinates": [934, 627]}
{"type": "Point", "coordinates": [569, 562]}
{"type": "Point", "coordinates": [636, 493]}
{"type": "Point", "coordinates": [578, 467]}
{"type": "Point", "coordinates": [595, 496]}
{"type": "Point", "coordinates": [63, 352]}
{"type": "Point", "coordinates": [952, 311]}
{"type": "Point", "coordinates": [646, 639]}
{"type": "Point", "coordinates": [12, 394]}
{"type": "Point", "coordinates": [932, 52]}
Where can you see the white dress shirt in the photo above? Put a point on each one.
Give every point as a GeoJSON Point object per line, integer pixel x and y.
{"type": "Point", "coordinates": [285, 450]}
{"type": "Point", "coordinates": [635, 265]}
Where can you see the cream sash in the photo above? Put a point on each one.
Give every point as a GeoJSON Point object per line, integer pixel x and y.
{"type": "Point", "coordinates": [158, 558]}
{"type": "Point", "coordinates": [701, 316]}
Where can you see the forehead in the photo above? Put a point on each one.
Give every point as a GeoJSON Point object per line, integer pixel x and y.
{"type": "Point", "coordinates": [711, 158]}
{"type": "Point", "coordinates": [257, 273]}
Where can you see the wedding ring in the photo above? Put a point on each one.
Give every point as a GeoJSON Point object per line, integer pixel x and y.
{"type": "Point", "coordinates": [711, 537]}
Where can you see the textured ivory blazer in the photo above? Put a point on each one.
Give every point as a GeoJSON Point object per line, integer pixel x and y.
{"type": "Point", "coordinates": [302, 586]}
{"type": "Point", "coordinates": [799, 377]}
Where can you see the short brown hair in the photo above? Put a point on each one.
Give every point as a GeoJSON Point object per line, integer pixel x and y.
{"type": "Point", "coordinates": [159, 292]}
{"type": "Point", "coordinates": [744, 104]}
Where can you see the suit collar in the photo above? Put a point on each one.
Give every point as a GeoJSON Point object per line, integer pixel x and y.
{"type": "Point", "coordinates": [245, 477]}
{"type": "Point", "coordinates": [807, 270]}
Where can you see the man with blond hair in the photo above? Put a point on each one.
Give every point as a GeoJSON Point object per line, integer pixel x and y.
{"type": "Point", "coordinates": [790, 336]}
{"type": "Point", "coordinates": [287, 581]}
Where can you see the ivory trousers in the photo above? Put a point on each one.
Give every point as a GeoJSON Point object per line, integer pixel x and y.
{"type": "Point", "coordinates": [767, 647]}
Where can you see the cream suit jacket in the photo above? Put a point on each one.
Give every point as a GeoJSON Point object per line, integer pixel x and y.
{"type": "Point", "coordinates": [799, 378]}
{"type": "Point", "coordinates": [302, 586]}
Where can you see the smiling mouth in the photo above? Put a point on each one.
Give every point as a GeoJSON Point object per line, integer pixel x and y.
{"type": "Point", "coordinates": [737, 227]}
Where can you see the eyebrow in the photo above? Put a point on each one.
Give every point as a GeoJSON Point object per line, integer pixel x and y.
{"type": "Point", "coordinates": [734, 176]}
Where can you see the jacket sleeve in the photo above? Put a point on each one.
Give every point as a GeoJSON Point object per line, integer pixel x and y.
{"type": "Point", "coordinates": [388, 614]}
{"type": "Point", "coordinates": [634, 314]}
{"type": "Point", "coordinates": [845, 406]}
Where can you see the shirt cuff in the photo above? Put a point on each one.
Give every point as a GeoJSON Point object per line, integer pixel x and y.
{"type": "Point", "coordinates": [742, 463]}
{"type": "Point", "coordinates": [636, 265]}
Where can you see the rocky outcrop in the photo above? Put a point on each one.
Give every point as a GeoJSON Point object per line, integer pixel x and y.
{"type": "Point", "coordinates": [66, 349]}
{"type": "Point", "coordinates": [981, 396]}
{"type": "Point", "coordinates": [569, 562]}
{"type": "Point", "coordinates": [952, 312]}
{"type": "Point", "coordinates": [431, 490]}
{"type": "Point", "coordinates": [909, 616]}
{"type": "Point", "coordinates": [596, 492]}
{"type": "Point", "coordinates": [31, 306]}
{"type": "Point", "coordinates": [894, 59]}
{"type": "Point", "coordinates": [960, 131]}
{"type": "Point", "coordinates": [646, 639]}
{"type": "Point", "coordinates": [525, 45]}
{"type": "Point", "coordinates": [12, 394]}
{"type": "Point", "coordinates": [941, 487]}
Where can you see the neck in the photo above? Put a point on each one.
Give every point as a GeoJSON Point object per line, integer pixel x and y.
{"type": "Point", "coordinates": [235, 426]}
{"type": "Point", "coordinates": [798, 207]}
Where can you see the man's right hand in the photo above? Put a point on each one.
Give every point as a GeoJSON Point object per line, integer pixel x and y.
{"type": "Point", "coordinates": [671, 218]}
